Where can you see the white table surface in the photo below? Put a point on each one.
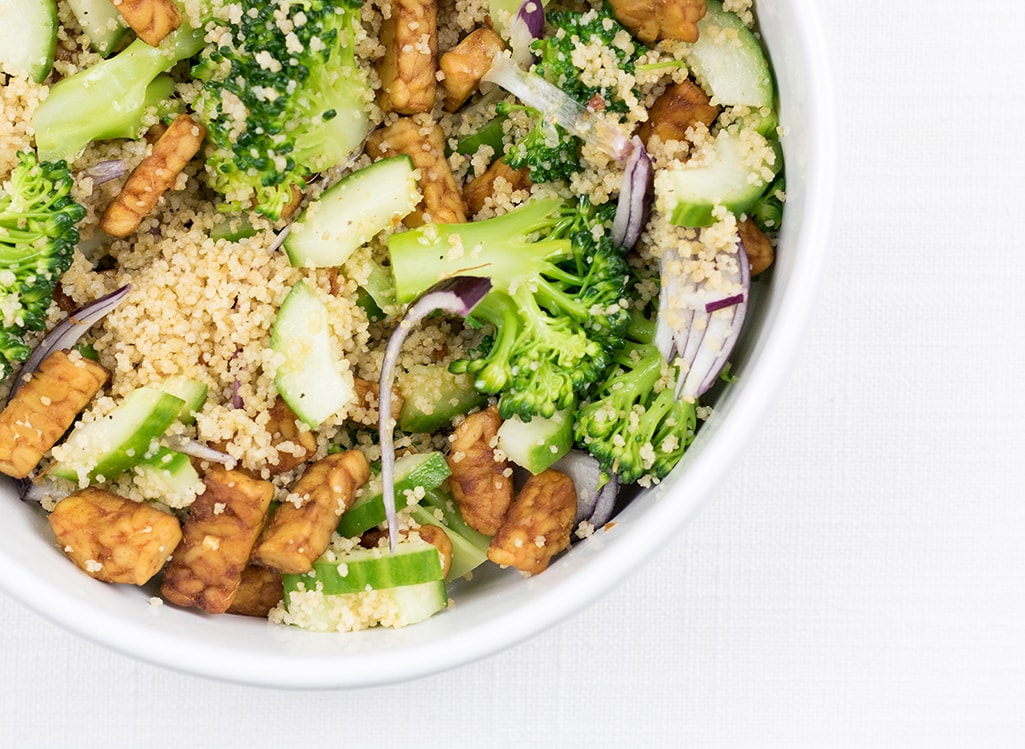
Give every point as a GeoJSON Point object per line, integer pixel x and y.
{"type": "Point", "coordinates": [858, 582]}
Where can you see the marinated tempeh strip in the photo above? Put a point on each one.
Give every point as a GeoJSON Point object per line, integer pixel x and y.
{"type": "Point", "coordinates": [296, 536]}
{"type": "Point", "coordinates": [43, 409]}
{"type": "Point", "coordinates": [218, 536]}
{"type": "Point", "coordinates": [498, 178]}
{"type": "Point", "coordinates": [259, 591]}
{"type": "Point", "coordinates": [538, 524]}
{"type": "Point", "coordinates": [151, 20]}
{"type": "Point", "coordinates": [365, 410]}
{"type": "Point", "coordinates": [153, 176]}
{"type": "Point", "coordinates": [114, 539]}
{"type": "Point", "coordinates": [410, 39]}
{"type": "Point", "coordinates": [481, 483]}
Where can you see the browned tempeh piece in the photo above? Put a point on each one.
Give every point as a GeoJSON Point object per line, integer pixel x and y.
{"type": "Point", "coordinates": [442, 201]}
{"type": "Point", "coordinates": [218, 536]}
{"type": "Point", "coordinates": [259, 591]}
{"type": "Point", "coordinates": [481, 484]}
{"type": "Point", "coordinates": [151, 20]}
{"type": "Point", "coordinates": [465, 65]}
{"type": "Point", "coordinates": [758, 247]}
{"type": "Point", "coordinates": [365, 410]}
{"type": "Point", "coordinates": [112, 538]}
{"type": "Point", "coordinates": [651, 20]}
{"type": "Point", "coordinates": [538, 524]}
{"type": "Point", "coordinates": [407, 70]}
{"type": "Point", "coordinates": [438, 538]}
{"type": "Point", "coordinates": [480, 188]}
{"type": "Point", "coordinates": [44, 407]}
{"type": "Point", "coordinates": [153, 176]}
{"type": "Point", "coordinates": [680, 107]}
{"type": "Point", "coordinates": [296, 536]}
{"type": "Point", "coordinates": [283, 427]}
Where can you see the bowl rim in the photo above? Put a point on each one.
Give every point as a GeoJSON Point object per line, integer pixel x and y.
{"type": "Point", "coordinates": [551, 601]}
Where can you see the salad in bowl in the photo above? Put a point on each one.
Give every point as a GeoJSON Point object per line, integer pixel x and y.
{"type": "Point", "coordinates": [320, 311]}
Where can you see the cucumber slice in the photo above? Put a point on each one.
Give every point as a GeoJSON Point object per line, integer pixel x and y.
{"type": "Point", "coordinates": [168, 476]}
{"type": "Point", "coordinates": [728, 60]}
{"type": "Point", "coordinates": [192, 392]}
{"type": "Point", "coordinates": [233, 229]}
{"type": "Point", "coordinates": [109, 446]}
{"type": "Point", "coordinates": [537, 443]}
{"type": "Point", "coordinates": [312, 380]}
{"type": "Point", "coordinates": [469, 548]}
{"type": "Point", "coordinates": [350, 213]}
{"type": "Point", "coordinates": [101, 22]}
{"type": "Point", "coordinates": [735, 177]}
{"type": "Point", "coordinates": [413, 562]}
{"type": "Point", "coordinates": [489, 135]}
{"type": "Point", "coordinates": [425, 470]}
{"type": "Point", "coordinates": [391, 607]}
{"type": "Point", "coordinates": [433, 396]}
{"type": "Point", "coordinates": [28, 37]}
{"type": "Point", "coordinates": [376, 295]}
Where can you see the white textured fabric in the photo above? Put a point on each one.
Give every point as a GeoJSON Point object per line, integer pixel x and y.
{"type": "Point", "coordinates": [859, 582]}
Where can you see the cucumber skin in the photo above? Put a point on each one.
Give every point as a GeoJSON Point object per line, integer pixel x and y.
{"type": "Point", "coordinates": [457, 396]}
{"type": "Point", "coordinates": [415, 604]}
{"type": "Point", "coordinates": [529, 444]}
{"type": "Point", "coordinates": [93, 16]}
{"type": "Point", "coordinates": [704, 56]}
{"type": "Point", "coordinates": [372, 569]}
{"type": "Point", "coordinates": [38, 68]}
{"type": "Point", "coordinates": [306, 245]}
{"type": "Point", "coordinates": [368, 510]}
{"type": "Point", "coordinates": [469, 548]}
{"type": "Point", "coordinates": [161, 414]}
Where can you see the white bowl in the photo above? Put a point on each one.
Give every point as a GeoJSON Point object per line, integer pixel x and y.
{"type": "Point", "coordinates": [500, 608]}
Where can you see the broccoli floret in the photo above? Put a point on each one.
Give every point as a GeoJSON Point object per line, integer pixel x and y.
{"type": "Point", "coordinates": [573, 29]}
{"type": "Point", "coordinates": [547, 150]}
{"type": "Point", "coordinates": [284, 98]}
{"type": "Point", "coordinates": [37, 237]}
{"type": "Point", "coordinates": [112, 98]}
{"type": "Point", "coordinates": [556, 308]}
{"type": "Point", "coordinates": [634, 425]}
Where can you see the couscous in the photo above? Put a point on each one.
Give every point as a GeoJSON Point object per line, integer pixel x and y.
{"type": "Point", "coordinates": [213, 435]}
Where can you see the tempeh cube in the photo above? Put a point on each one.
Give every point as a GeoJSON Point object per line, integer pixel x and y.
{"type": "Point", "coordinates": [259, 591]}
{"type": "Point", "coordinates": [538, 524]}
{"type": "Point", "coordinates": [218, 536]}
{"type": "Point", "coordinates": [43, 409]}
{"type": "Point", "coordinates": [114, 539]}
{"type": "Point", "coordinates": [297, 535]}
{"type": "Point", "coordinates": [465, 65]}
{"type": "Point", "coordinates": [481, 481]}
{"type": "Point", "coordinates": [151, 20]}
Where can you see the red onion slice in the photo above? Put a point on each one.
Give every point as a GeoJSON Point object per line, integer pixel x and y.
{"type": "Point", "coordinates": [527, 25]}
{"type": "Point", "coordinates": [196, 449]}
{"type": "Point", "coordinates": [634, 197]}
{"type": "Point", "coordinates": [105, 171]}
{"type": "Point", "coordinates": [596, 490]}
{"type": "Point", "coordinates": [698, 325]}
{"type": "Point", "coordinates": [559, 108]}
{"type": "Point", "coordinates": [605, 502]}
{"type": "Point", "coordinates": [67, 333]}
{"type": "Point", "coordinates": [457, 296]}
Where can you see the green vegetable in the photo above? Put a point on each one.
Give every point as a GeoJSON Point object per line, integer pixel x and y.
{"type": "Point", "coordinates": [28, 38]}
{"type": "Point", "coordinates": [634, 426]}
{"type": "Point", "coordinates": [280, 107]}
{"type": "Point", "coordinates": [556, 309]}
{"type": "Point", "coordinates": [37, 237]}
{"type": "Point", "coordinates": [420, 471]}
{"type": "Point", "coordinates": [192, 392]}
{"type": "Point", "coordinates": [469, 548]}
{"type": "Point", "coordinates": [101, 22]}
{"type": "Point", "coordinates": [537, 443]}
{"type": "Point", "coordinates": [111, 445]}
{"type": "Point", "coordinates": [111, 99]}
{"type": "Point", "coordinates": [547, 150]}
{"type": "Point", "coordinates": [311, 379]}
{"type": "Point", "coordinates": [352, 212]}
{"type": "Point", "coordinates": [433, 396]}
{"type": "Point", "coordinates": [413, 563]}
